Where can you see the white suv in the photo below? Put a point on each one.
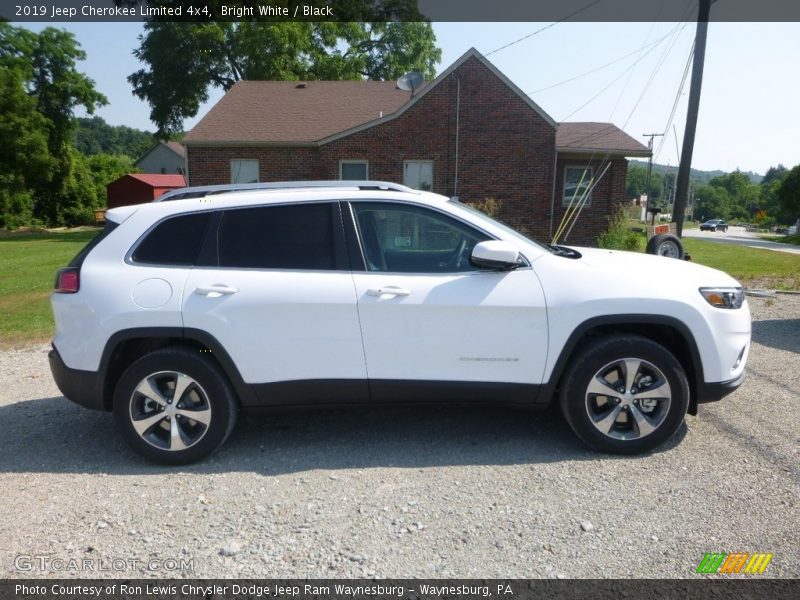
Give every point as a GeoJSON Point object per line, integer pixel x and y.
{"type": "Point", "coordinates": [182, 313]}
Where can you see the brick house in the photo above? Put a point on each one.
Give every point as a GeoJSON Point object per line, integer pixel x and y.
{"type": "Point", "coordinates": [469, 133]}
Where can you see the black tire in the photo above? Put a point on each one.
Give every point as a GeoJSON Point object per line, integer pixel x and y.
{"type": "Point", "coordinates": [145, 394]}
{"type": "Point", "coordinates": [665, 244]}
{"type": "Point", "coordinates": [589, 413]}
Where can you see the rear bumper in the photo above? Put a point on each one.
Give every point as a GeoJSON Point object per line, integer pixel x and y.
{"type": "Point", "coordinates": [82, 387]}
{"type": "Point", "coordinates": [712, 392]}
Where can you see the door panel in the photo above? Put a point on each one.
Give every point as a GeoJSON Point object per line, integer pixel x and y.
{"type": "Point", "coordinates": [279, 325]}
{"type": "Point", "coordinates": [274, 287]}
{"type": "Point", "coordinates": [428, 315]}
{"type": "Point", "coordinates": [481, 326]}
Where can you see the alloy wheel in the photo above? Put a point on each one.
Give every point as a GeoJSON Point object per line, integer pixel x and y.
{"type": "Point", "coordinates": [628, 399]}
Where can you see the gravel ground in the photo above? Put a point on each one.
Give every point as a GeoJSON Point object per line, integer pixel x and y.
{"type": "Point", "coordinates": [440, 492]}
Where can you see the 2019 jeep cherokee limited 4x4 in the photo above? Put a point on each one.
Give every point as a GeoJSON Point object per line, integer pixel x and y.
{"type": "Point", "coordinates": [182, 313]}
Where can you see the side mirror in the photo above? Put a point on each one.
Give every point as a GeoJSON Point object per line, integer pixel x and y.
{"type": "Point", "coordinates": [495, 254]}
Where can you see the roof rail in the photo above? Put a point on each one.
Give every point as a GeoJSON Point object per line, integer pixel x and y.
{"type": "Point", "coordinates": [209, 190]}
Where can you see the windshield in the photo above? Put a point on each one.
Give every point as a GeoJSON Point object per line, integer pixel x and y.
{"type": "Point", "coordinates": [499, 224]}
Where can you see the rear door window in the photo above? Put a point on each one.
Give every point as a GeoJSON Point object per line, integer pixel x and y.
{"type": "Point", "coordinates": [294, 236]}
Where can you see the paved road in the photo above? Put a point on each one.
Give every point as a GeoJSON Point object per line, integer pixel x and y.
{"type": "Point", "coordinates": [740, 237]}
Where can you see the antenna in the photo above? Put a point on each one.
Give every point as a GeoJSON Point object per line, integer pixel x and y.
{"type": "Point", "coordinates": [410, 81]}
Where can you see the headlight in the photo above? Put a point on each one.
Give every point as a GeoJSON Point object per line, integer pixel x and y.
{"type": "Point", "coordinates": [724, 297]}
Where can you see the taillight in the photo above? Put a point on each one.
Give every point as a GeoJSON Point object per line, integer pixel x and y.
{"type": "Point", "coordinates": [68, 281]}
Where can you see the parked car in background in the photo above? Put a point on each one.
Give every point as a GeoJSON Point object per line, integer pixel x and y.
{"type": "Point", "coordinates": [714, 225]}
{"type": "Point", "coordinates": [182, 313]}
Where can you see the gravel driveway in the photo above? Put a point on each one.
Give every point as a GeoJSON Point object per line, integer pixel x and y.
{"type": "Point", "coordinates": [405, 492]}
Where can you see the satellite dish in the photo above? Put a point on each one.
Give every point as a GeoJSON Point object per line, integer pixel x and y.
{"type": "Point", "coordinates": [410, 81]}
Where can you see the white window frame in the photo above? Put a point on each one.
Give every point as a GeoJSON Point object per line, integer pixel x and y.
{"type": "Point", "coordinates": [418, 161]}
{"type": "Point", "coordinates": [354, 161]}
{"type": "Point", "coordinates": [567, 198]}
{"type": "Point", "coordinates": [245, 160]}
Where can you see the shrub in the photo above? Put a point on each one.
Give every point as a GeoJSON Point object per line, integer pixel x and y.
{"type": "Point", "coordinates": [619, 236]}
{"type": "Point", "coordinates": [489, 206]}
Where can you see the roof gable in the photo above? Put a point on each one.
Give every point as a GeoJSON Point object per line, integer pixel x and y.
{"type": "Point", "coordinates": [597, 138]}
{"type": "Point", "coordinates": [175, 147]}
{"type": "Point", "coordinates": [317, 112]}
{"type": "Point", "coordinates": [293, 112]}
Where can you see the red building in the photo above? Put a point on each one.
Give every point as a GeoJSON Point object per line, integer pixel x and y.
{"type": "Point", "coordinates": [469, 133]}
{"type": "Point", "coordinates": [138, 188]}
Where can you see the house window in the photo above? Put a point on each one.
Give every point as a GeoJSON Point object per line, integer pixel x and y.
{"type": "Point", "coordinates": [244, 171]}
{"type": "Point", "coordinates": [418, 174]}
{"type": "Point", "coordinates": [577, 181]}
{"type": "Point", "coordinates": [353, 170]}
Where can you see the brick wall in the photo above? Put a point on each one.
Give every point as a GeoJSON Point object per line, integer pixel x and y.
{"type": "Point", "coordinates": [505, 151]}
{"type": "Point", "coordinates": [606, 197]}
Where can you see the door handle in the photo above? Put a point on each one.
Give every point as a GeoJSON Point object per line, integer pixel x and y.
{"type": "Point", "coordinates": [218, 289]}
{"type": "Point", "coordinates": [389, 290]}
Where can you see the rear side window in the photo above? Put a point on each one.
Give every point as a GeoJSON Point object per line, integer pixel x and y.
{"type": "Point", "coordinates": [174, 241]}
{"type": "Point", "coordinates": [81, 256]}
{"type": "Point", "coordinates": [297, 236]}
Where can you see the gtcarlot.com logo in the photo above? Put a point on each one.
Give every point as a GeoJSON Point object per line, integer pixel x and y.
{"type": "Point", "coordinates": [43, 562]}
{"type": "Point", "coordinates": [735, 562]}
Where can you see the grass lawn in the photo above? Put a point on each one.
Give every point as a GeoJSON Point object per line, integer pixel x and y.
{"type": "Point", "coordinates": [28, 264]}
{"type": "Point", "coordinates": [754, 267]}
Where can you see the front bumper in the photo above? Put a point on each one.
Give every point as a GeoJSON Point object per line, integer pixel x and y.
{"type": "Point", "coordinates": [82, 387]}
{"type": "Point", "coordinates": [712, 392]}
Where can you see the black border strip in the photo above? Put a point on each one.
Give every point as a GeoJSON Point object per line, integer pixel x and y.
{"type": "Point", "coordinates": [60, 11]}
{"type": "Point", "coordinates": [739, 587]}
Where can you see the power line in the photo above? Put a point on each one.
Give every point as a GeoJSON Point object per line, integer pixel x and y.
{"type": "Point", "coordinates": [677, 99]}
{"type": "Point", "coordinates": [601, 67]}
{"type": "Point", "coordinates": [530, 35]}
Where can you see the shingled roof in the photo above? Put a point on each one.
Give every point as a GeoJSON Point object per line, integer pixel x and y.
{"type": "Point", "coordinates": [291, 112]}
{"type": "Point", "coordinates": [597, 138]}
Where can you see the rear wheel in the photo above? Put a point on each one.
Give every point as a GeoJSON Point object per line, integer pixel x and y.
{"type": "Point", "coordinates": [625, 394]}
{"type": "Point", "coordinates": [174, 406]}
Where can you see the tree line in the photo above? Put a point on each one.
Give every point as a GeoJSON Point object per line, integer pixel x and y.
{"type": "Point", "coordinates": [45, 179]}
{"type": "Point", "coordinates": [731, 196]}
{"type": "Point", "coordinates": [54, 166]}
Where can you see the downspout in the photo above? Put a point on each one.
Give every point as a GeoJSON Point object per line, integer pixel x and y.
{"type": "Point", "coordinates": [186, 164]}
{"type": "Point", "coordinates": [458, 109]}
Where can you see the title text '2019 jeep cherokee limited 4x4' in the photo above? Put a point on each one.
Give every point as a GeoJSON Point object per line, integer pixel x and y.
{"type": "Point", "coordinates": [182, 313]}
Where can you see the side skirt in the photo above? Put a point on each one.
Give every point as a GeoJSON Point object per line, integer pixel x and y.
{"type": "Point", "coordinates": [344, 392]}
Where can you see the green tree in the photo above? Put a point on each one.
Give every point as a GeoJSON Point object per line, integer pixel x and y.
{"type": "Point", "coordinates": [712, 202]}
{"type": "Point", "coordinates": [789, 193]}
{"type": "Point", "coordinates": [94, 136]}
{"type": "Point", "coordinates": [183, 61]}
{"type": "Point", "coordinates": [769, 202]}
{"type": "Point", "coordinates": [47, 62]}
{"type": "Point", "coordinates": [636, 183]}
{"type": "Point", "coordinates": [744, 195]}
{"type": "Point", "coordinates": [24, 158]}
{"type": "Point", "coordinates": [105, 168]}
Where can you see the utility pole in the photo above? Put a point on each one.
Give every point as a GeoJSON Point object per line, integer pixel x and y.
{"type": "Point", "coordinates": [682, 184]}
{"type": "Point", "coordinates": [650, 163]}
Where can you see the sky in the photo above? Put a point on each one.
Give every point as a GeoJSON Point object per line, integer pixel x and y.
{"type": "Point", "coordinates": [625, 73]}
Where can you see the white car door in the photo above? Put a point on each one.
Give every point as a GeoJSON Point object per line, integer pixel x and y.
{"type": "Point", "coordinates": [432, 321]}
{"type": "Point", "coordinates": [277, 293]}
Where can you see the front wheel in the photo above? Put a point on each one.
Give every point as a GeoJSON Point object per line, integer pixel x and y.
{"type": "Point", "coordinates": [174, 406]}
{"type": "Point", "coordinates": [625, 394]}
